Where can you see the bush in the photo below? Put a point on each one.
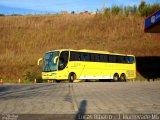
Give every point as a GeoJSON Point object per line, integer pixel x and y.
{"type": "Point", "coordinates": [16, 15]}
{"type": "Point", "coordinates": [107, 11]}
{"type": "Point", "coordinates": [2, 14]}
{"type": "Point", "coordinates": [127, 10]}
{"type": "Point", "coordinates": [143, 9]}
{"type": "Point", "coordinates": [30, 76]}
{"type": "Point", "coordinates": [146, 10]}
{"type": "Point", "coordinates": [142, 5]}
{"type": "Point", "coordinates": [116, 10]}
{"type": "Point", "coordinates": [134, 10]}
{"type": "Point", "coordinates": [39, 79]}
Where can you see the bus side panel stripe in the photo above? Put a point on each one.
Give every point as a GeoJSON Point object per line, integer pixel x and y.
{"type": "Point", "coordinates": [96, 77]}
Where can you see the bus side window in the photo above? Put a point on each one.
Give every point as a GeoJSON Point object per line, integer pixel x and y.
{"type": "Point", "coordinates": [112, 58]}
{"type": "Point", "coordinates": [106, 58]}
{"type": "Point", "coordinates": [127, 59]}
{"type": "Point", "coordinates": [101, 57]}
{"type": "Point", "coordinates": [123, 59]}
{"type": "Point", "coordinates": [131, 60]}
{"type": "Point", "coordinates": [72, 56]}
{"type": "Point", "coordinates": [97, 57]}
{"type": "Point", "coordinates": [86, 56]}
{"type": "Point", "coordinates": [82, 58]}
{"type": "Point", "coordinates": [120, 59]}
{"type": "Point", "coordinates": [77, 57]}
{"type": "Point", "coordinates": [92, 57]}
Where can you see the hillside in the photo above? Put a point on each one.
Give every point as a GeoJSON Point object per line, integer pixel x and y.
{"type": "Point", "coordinates": [24, 39]}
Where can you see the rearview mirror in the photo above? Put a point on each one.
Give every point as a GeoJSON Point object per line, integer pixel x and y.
{"type": "Point", "coordinates": [55, 60]}
{"type": "Point", "coordinates": [39, 60]}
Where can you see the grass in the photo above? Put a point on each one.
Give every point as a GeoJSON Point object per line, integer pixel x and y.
{"type": "Point", "coordinates": [14, 81]}
{"type": "Point", "coordinates": [24, 39]}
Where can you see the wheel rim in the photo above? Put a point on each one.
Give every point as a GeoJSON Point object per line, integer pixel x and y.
{"type": "Point", "coordinates": [115, 78]}
{"type": "Point", "coordinates": [123, 78]}
{"type": "Point", "coordinates": [72, 77]}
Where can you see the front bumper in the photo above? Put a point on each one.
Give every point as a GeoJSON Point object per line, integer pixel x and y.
{"type": "Point", "coordinates": [49, 75]}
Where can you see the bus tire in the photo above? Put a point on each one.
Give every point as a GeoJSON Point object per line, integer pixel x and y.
{"type": "Point", "coordinates": [71, 77]}
{"type": "Point", "coordinates": [123, 77]}
{"type": "Point", "coordinates": [115, 77]}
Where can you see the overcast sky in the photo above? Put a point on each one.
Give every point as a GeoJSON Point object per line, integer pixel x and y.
{"type": "Point", "coordinates": [62, 5]}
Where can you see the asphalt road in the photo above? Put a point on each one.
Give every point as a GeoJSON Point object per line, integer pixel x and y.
{"type": "Point", "coordinates": [88, 97]}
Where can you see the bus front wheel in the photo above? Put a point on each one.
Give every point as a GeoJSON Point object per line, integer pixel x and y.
{"type": "Point", "coordinates": [72, 77]}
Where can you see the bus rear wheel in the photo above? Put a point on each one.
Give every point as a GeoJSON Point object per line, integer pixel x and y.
{"type": "Point", "coordinates": [116, 77]}
{"type": "Point", "coordinates": [72, 77]}
{"type": "Point", "coordinates": [123, 77]}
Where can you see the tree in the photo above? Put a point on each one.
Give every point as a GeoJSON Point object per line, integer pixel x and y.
{"type": "Point", "coordinates": [146, 10]}
{"type": "Point", "coordinates": [107, 11]}
{"type": "Point", "coordinates": [72, 12]}
{"type": "Point", "coordinates": [143, 8]}
{"type": "Point", "coordinates": [127, 10]}
{"type": "Point", "coordinates": [2, 14]}
{"type": "Point", "coordinates": [134, 10]}
{"type": "Point", "coordinates": [142, 5]}
{"type": "Point", "coordinates": [116, 10]}
{"type": "Point", "coordinates": [154, 8]}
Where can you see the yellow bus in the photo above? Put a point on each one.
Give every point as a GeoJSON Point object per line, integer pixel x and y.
{"type": "Point", "coordinates": [68, 64]}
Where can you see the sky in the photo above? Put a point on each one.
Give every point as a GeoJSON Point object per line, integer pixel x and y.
{"type": "Point", "coordinates": [55, 6]}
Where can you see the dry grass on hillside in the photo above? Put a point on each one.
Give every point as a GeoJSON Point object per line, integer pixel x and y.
{"type": "Point", "coordinates": [24, 39]}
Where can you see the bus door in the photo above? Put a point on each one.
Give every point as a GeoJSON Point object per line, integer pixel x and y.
{"type": "Point", "coordinates": [62, 65]}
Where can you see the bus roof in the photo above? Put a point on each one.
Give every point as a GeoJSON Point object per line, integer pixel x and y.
{"type": "Point", "coordinates": [91, 51]}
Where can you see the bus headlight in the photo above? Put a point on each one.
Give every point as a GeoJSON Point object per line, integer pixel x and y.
{"type": "Point", "coordinates": [53, 74]}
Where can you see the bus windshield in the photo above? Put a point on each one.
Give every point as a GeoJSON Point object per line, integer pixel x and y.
{"type": "Point", "coordinates": [48, 62]}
